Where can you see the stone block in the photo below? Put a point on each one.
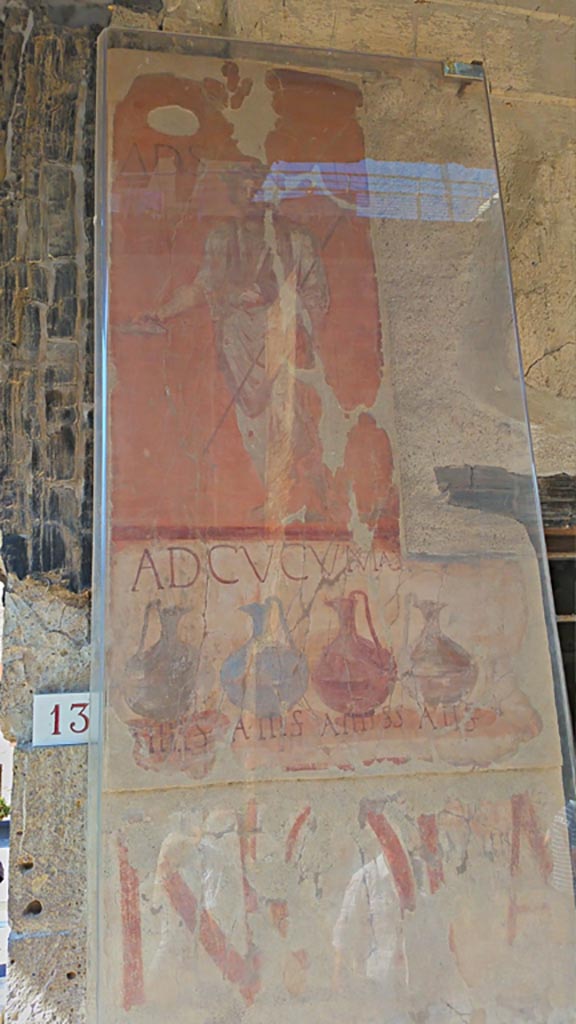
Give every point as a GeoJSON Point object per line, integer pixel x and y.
{"type": "Point", "coordinates": [47, 978]}
{"type": "Point", "coordinates": [33, 220]}
{"type": "Point", "coordinates": [15, 554]}
{"type": "Point", "coordinates": [8, 226]}
{"type": "Point", "coordinates": [7, 288]}
{"type": "Point", "coordinates": [374, 27]}
{"type": "Point", "coordinates": [62, 368]}
{"type": "Point", "coordinates": [62, 503]}
{"type": "Point", "coordinates": [30, 326]}
{"type": "Point", "coordinates": [60, 408]}
{"type": "Point", "coordinates": [48, 855]}
{"type": "Point", "coordinates": [89, 12]}
{"type": "Point", "coordinates": [59, 190]}
{"type": "Point", "coordinates": [193, 16]}
{"type": "Point", "coordinates": [38, 283]}
{"type": "Point", "coordinates": [124, 16]}
{"type": "Point", "coordinates": [50, 547]}
{"type": "Point", "coordinates": [61, 454]}
{"type": "Point", "coordinates": [63, 311]}
{"type": "Point", "coordinates": [59, 122]}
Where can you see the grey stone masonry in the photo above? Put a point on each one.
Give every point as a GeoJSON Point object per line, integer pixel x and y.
{"type": "Point", "coordinates": [45, 316]}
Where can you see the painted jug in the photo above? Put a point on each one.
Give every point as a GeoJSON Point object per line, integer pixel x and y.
{"type": "Point", "coordinates": [354, 675]}
{"type": "Point", "coordinates": [441, 671]}
{"type": "Point", "coordinates": [268, 674]}
{"type": "Point", "coordinates": [162, 678]}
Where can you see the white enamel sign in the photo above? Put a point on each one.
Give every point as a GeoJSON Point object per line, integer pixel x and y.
{"type": "Point", "coordinates": [61, 719]}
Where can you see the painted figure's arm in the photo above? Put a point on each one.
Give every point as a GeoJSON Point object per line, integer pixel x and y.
{"type": "Point", "coordinates": [206, 282]}
{"type": "Point", "coordinates": [183, 299]}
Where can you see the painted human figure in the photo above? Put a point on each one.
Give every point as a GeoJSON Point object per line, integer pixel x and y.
{"type": "Point", "coordinates": [204, 940]}
{"type": "Point", "coordinates": [265, 285]}
{"type": "Point", "coordinates": [368, 937]}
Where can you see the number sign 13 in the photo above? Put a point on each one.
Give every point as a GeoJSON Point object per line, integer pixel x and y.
{"type": "Point", "coordinates": [60, 718]}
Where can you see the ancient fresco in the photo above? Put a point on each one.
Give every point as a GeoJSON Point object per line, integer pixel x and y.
{"type": "Point", "coordinates": [353, 901]}
{"type": "Point", "coordinates": [329, 726]}
{"type": "Point", "coordinates": [240, 308]}
{"type": "Point", "coordinates": [234, 660]}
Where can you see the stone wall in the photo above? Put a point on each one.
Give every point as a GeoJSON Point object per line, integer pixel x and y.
{"type": "Point", "coordinates": [46, 199]}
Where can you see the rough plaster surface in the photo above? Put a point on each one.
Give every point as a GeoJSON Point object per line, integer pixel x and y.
{"type": "Point", "coordinates": [47, 109]}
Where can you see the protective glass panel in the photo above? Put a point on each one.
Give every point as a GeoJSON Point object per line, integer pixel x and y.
{"type": "Point", "coordinates": [332, 777]}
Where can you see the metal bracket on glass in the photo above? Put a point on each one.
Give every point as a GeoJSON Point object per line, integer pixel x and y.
{"type": "Point", "coordinates": [459, 69]}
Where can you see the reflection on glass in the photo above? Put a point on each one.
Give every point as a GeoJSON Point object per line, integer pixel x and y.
{"type": "Point", "coordinates": [388, 189]}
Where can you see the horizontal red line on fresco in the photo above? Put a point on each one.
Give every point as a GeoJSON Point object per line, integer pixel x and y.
{"type": "Point", "coordinates": [120, 533]}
